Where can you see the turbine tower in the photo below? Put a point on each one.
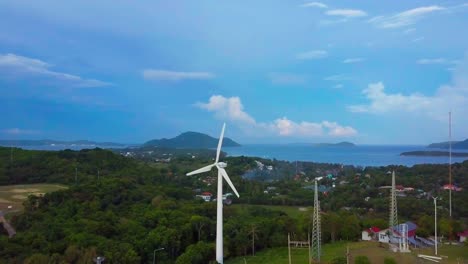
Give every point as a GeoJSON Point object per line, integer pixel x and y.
{"type": "Point", "coordinates": [316, 247]}
{"type": "Point", "coordinates": [393, 221]}
{"type": "Point", "coordinates": [219, 200]}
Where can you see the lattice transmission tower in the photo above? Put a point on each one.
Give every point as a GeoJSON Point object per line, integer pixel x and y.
{"type": "Point", "coordinates": [393, 221]}
{"type": "Point", "coordinates": [316, 246]}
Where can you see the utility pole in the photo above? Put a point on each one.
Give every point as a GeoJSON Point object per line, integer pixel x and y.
{"type": "Point", "coordinates": [435, 222]}
{"type": "Point", "coordinates": [347, 254]}
{"type": "Point", "coordinates": [253, 239]}
{"type": "Point", "coordinates": [289, 248]}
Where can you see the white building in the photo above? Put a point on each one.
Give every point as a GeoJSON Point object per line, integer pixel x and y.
{"type": "Point", "coordinates": [383, 236]}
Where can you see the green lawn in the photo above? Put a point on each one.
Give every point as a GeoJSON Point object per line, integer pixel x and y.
{"type": "Point", "coordinates": [372, 250]}
{"type": "Point", "coordinates": [15, 195]}
{"type": "Point", "coordinates": [292, 211]}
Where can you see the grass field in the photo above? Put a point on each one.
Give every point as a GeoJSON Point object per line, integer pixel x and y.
{"type": "Point", "coordinates": [372, 250]}
{"type": "Point", "coordinates": [292, 211]}
{"type": "Point", "coordinates": [15, 195]}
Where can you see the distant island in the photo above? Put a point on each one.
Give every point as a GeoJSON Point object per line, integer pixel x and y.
{"type": "Point", "coordinates": [50, 142]}
{"type": "Point", "coordinates": [455, 145]}
{"type": "Point", "coordinates": [340, 144]}
{"type": "Point", "coordinates": [433, 154]}
{"type": "Point", "coordinates": [190, 140]}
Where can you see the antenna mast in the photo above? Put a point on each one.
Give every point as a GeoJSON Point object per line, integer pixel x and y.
{"type": "Point", "coordinates": [316, 228]}
{"type": "Point", "coordinates": [450, 164]}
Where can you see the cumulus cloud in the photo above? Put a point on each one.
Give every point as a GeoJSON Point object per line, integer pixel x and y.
{"type": "Point", "coordinates": [19, 131]}
{"type": "Point", "coordinates": [405, 18]}
{"type": "Point", "coordinates": [314, 4]}
{"type": "Point", "coordinates": [353, 60]}
{"type": "Point", "coordinates": [312, 55]}
{"type": "Point", "coordinates": [19, 66]}
{"type": "Point", "coordinates": [281, 78]}
{"type": "Point", "coordinates": [164, 75]}
{"type": "Point", "coordinates": [347, 13]}
{"type": "Point", "coordinates": [231, 108]}
{"type": "Point", "coordinates": [453, 96]}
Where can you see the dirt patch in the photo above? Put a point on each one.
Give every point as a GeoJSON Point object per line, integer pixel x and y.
{"type": "Point", "coordinates": [4, 201]}
{"type": "Point", "coordinates": [19, 197]}
{"type": "Point", "coordinates": [26, 190]}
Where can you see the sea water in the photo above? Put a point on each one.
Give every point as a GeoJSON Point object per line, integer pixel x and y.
{"type": "Point", "coordinates": [362, 155]}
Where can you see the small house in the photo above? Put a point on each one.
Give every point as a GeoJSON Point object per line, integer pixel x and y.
{"type": "Point", "coordinates": [206, 196]}
{"type": "Point", "coordinates": [463, 236]}
{"type": "Point", "coordinates": [383, 236]}
{"type": "Point", "coordinates": [370, 234]}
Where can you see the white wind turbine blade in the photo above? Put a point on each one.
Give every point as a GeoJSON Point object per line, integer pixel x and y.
{"type": "Point", "coordinates": [226, 177]}
{"type": "Point", "coordinates": [201, 170]}
{"type": "Point", "coordinates": [220, 143]}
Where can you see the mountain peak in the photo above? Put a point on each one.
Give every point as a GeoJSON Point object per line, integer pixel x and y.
{"type": "Point", "coordinates": [191, 139]}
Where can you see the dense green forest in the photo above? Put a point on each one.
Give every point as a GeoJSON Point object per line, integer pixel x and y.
{"type": "Point", "coordinates": [124, 208]}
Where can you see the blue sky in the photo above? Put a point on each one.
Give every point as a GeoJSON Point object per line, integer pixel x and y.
{"type": "Point", "coordinates": [275, 71]}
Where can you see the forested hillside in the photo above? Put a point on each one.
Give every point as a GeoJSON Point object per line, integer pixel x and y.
{"type": "Point", "coordinates": [124, 209]}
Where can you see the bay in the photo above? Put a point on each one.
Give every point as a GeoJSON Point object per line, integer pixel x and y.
{"type": "Point", "coordinates": [361, 155]}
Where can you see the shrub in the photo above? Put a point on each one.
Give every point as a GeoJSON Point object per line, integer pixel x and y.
{"type": "Point", "coordinates": [361, 260]}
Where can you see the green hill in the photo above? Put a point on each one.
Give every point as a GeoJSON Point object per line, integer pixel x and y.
{"type": "Point", "coordinates": [455, 144]}
{"type": "Point", "coordinates": [193, 140]}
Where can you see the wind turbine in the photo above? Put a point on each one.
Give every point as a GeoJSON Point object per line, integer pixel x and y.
{"type": "Point", "coordinates": [221, 174]}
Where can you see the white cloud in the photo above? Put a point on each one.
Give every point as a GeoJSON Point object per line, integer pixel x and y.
{"type": "Point", "coordinates": [280, 78]}
{"type": "Point", "coordinates": [312, 55]}
{"type": "Point", "coordinates": [163, 75]}
{"type": "Point", "coordinates": [315, 4]}
{"type": "Point", "coordinates": [348, 13]}
{"type": "Point", "coordinates": [436, 61]}
{"type": "Point", "coordinates": [20, 66]}
{"type": "Point", "coordinates": [409, 30]}
{"type": "Point", "coordinates": [338, 86]}
{"type": "Point", "coordinates": [338, 78]}
{"type": "Point", "coordinates": [231, 108]}
{"type": "Point", "coordinates": [417, 39]}
{"type": "Point", "coordinates": [447, 97]}
{"type": "Point", "coordinates": [383, 102]}
{"type": "Point", "coordinates": [404, 18]}
{"type": "Point", "coordinates": [353, 60]}
{"type": "Point", "coordinates": [19, 131]}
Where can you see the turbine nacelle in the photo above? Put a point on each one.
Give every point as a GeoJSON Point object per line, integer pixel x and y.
{"type": "Point", "coordinates": [221, 164]}
{"type": "Point", "coordinates": [218, 164]}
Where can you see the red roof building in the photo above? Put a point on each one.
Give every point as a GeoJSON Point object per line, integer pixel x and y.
{"type": "Point", "coordinates": [453, 187]}
{"type": "Point", "coordinates": [463, 236]}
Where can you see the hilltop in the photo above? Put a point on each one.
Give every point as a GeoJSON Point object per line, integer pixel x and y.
{"type": "Point", "coordinates": [192, 140]}
{"type": "Point", "coordinates": [455, 144]}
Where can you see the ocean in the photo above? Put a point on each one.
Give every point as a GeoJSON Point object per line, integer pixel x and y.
{"type": "Point", "coordinates": [362, 155]}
